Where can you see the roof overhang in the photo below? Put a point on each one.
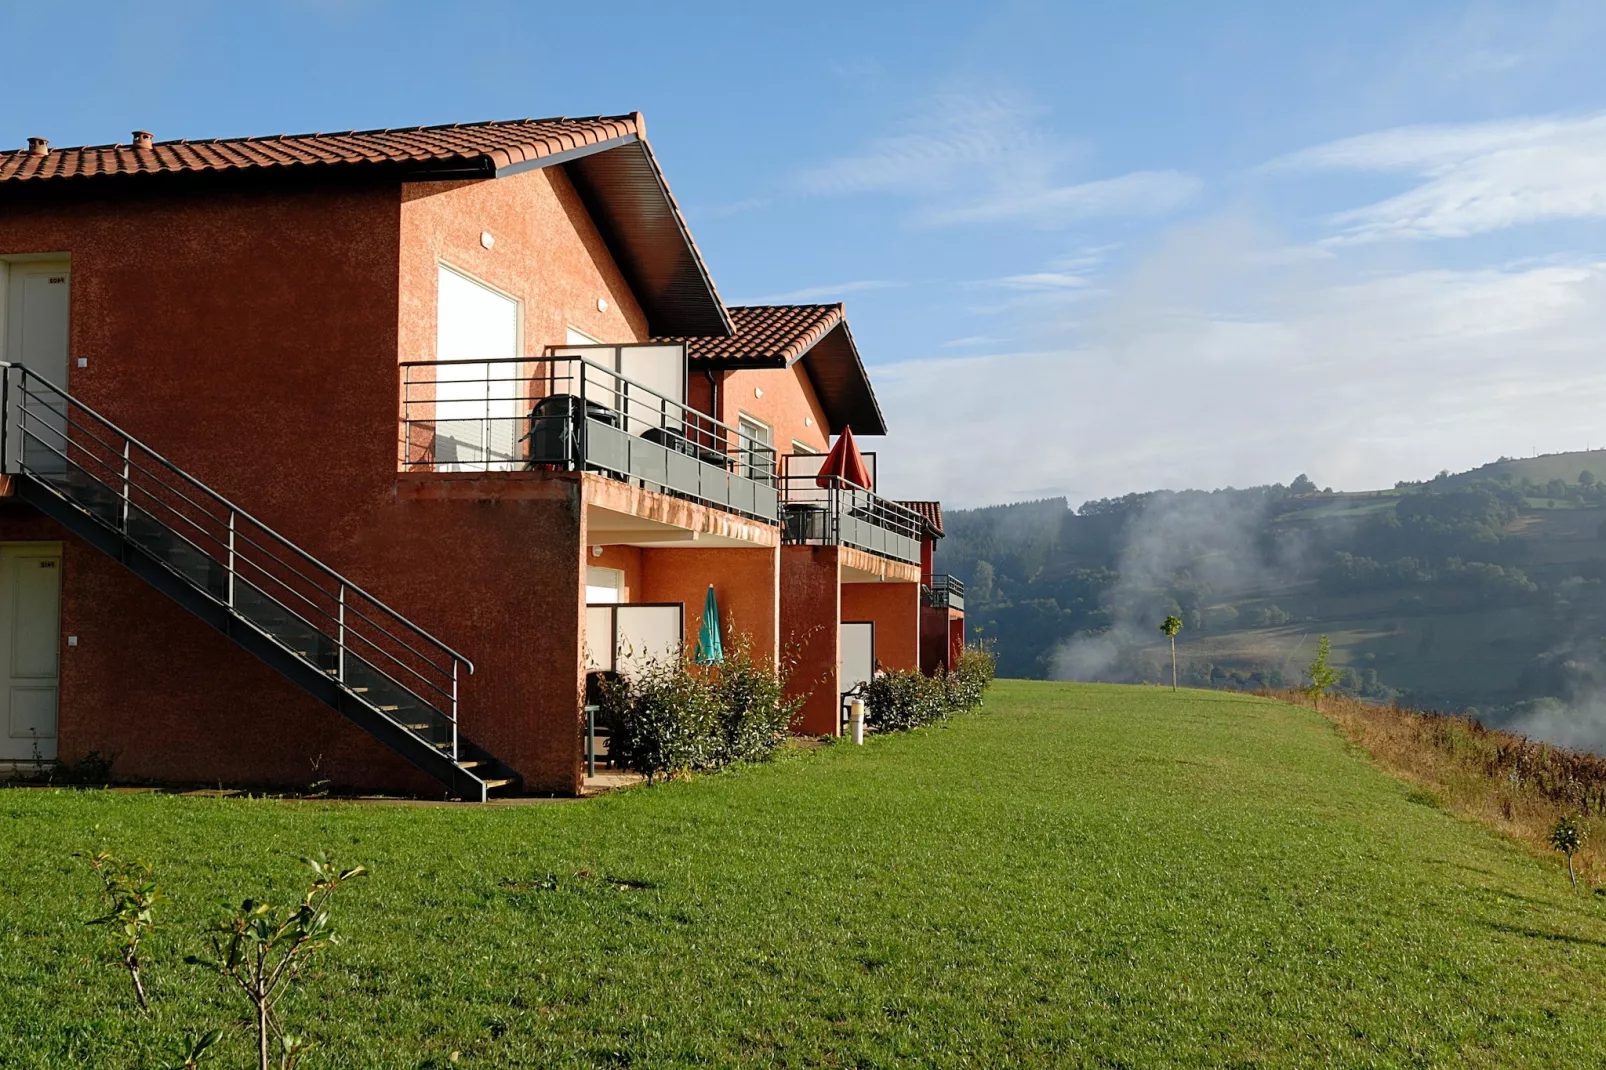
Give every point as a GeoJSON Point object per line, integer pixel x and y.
{"type": "Point", "coordinates": [836, 371]}
{"type": "Point", "coordinates": [623, 188]}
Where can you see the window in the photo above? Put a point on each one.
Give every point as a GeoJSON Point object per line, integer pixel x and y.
{"type": "Point", "coordinates": [757, 448]}
{"type": "Point", "coordinates": [576, 337]}
{"type": "Point", "coordinates": [803, 448]}
{"type": "Point", "coordinates": [604, 585]}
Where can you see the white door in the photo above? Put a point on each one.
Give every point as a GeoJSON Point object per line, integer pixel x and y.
{"type": "Point", "coordinates": [38, 306]}
{"type": "Point", "coordinates": [30, 609]}
{"type": "Point", "coordinates": [477, 422]}
{"type": "Point", "coordinates": [858, 654]}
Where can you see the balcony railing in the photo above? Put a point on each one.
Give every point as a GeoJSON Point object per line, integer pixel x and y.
{"type": "Point", "coordinates": [841, 514]}
{"type": "Point", "coordinates": [570, 411]}
{"type": "Point", "coordinates": [946, 592]}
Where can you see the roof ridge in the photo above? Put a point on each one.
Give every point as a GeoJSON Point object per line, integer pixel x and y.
{"type": "Point", "coordinates": [246, 139]}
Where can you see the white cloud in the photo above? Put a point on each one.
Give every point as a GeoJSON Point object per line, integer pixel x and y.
{"type": "Point", "coordinates": [1040, 280]}
{"type": "Point", "coordinates": [951, 135]}
{"type": "Point", "coordinates": [1210, 366]}
{"type": "Point", "coordinates": [814, 293]}
{"type": "Point", "coordinates": [970, 341]}
{"type": "Point", "coordinates": [1141, 193]}
{"type": "Point", "coordinates": [1475, 178]}
{"type": "Point", "coordinates": [983, 158]}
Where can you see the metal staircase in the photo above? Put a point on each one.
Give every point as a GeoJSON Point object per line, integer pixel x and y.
{"type": "Point", "coordinates": [323, 632]}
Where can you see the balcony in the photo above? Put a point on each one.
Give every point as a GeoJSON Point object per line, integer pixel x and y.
{"type": "Point", "coordinates": [841, 514]}
{"type": "Point", "coordinates": [575, 409]}
{"type": "Point", "coordinates": [946, 592]}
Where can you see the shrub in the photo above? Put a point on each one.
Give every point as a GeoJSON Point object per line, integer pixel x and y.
{"type": "Point", "coordinates": [673, 717]}
{"type": "Point", "coordinates": [754, 710]}
{"type": "Point", "coordinates": [969, 678]}
{"type": "Point", "coordinates": [663, 720]}
{"type": "Point", "coordinates": [897, 701]}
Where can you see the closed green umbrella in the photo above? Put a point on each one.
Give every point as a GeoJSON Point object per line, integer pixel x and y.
{"type": "Point", "coordinates": [709, 649]}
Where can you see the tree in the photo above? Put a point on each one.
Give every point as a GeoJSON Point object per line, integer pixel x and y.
{"type": "Point", "coordinates": [1586, 478]}
{"type": "Point", "coordinates": [1169, 628]}
{"type": "Point", "coordinates": [132, 895]}
{"type": "Point", "coordinates": [1322, 675]}
{"type": "Point", "coordinates": [1302, 484]}
{"type": "Point", "coordinates": [981, 581]}
{"type": "Point", "coordinates": [1568, 836]}
{"type": "Point", "coordinates": [263, 952]}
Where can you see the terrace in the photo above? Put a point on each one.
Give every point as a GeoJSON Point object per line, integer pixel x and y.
{"type": "Point", "coordinates": [841, 514]}
{"type": "Point", "coordinates": [617, 410]}
{"type": "Point", "coordinates": [946, 592]}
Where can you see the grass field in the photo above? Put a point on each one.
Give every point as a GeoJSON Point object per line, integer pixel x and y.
{"type": "Point", "coordinates": [1077, 875]}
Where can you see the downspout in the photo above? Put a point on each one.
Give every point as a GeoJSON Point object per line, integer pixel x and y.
{"type": "Point", "coordinates": [713, 395]}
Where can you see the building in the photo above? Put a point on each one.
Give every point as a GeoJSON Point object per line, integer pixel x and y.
{"type": "Point", "coordinates": [434, 422]}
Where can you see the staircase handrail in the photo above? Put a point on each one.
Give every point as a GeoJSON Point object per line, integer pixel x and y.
{"type": "Point", "coordinates": [219, 499]}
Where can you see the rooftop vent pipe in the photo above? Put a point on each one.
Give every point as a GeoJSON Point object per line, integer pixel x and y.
{"type": "Point", "coordinates": [142, 139]}
{"type": "Point", "coordinates": [38, 146]}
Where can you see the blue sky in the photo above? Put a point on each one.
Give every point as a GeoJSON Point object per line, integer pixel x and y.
{"type": "Point", "coordinates": [1086, 249]}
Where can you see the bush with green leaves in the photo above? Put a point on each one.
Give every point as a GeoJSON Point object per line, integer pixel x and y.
{"type": "Point", "coordinates": [967, 681]}
{"type": "Point", "coordinates": [755, 712]}
{"type": "Point", "coordinates": [898, 701]}
{"type": "Point", "coordinates": [671, 717]}
{"type": "Point", "coordinates": [904, 699]}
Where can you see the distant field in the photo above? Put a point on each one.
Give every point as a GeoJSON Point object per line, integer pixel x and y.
{"type": "Point", "coordinates": [1079, 875]}
{"type": "Point", "coordinates": [1563, 466]}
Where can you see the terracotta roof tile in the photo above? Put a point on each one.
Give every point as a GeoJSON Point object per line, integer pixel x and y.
{"type": "Point", "coordinates": [930, 512]}
{"type": "Point", "coordinates": [766, 334]}
{"type": "Point", "coordinates": [486, 145]}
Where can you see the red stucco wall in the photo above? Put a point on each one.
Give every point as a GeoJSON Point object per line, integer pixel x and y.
{"type": "Point", "coordinates": [545, 251]}
{"type": "Point", "coordinates": [746, 586]}
{"type": "Point", "coordinates": [789, 405]}
{"type": "Point", "coordinates": [249, 328]}
{"type": "Point", "coordinates": [895, 609]}
{"type": "Point", "coordinates": [811, 633]}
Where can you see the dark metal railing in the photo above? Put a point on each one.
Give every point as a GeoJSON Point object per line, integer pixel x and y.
{"type": "Point", "coordinates": [946, 592]}
{"type": "Point", "coordinates": [219, 549]}
{"type": "Point", "coordinates": [566, 410]}
{"type": "Point", "coordinates": [841, 514]}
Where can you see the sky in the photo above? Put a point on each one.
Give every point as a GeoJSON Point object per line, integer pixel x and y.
{"type": "Point", "coordinates": [1085, 249]}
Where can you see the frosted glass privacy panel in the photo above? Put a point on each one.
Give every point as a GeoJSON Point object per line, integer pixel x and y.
{"type": "Point", "coordinates": [858, 655]}
{"type": "Point", "coordinates": [599, 639]}
{"type": "Point", "coordinates": [648, 634]}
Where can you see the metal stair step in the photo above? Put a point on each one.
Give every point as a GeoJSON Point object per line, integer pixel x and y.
{"type": "Point", "coordinates": [499, 782]}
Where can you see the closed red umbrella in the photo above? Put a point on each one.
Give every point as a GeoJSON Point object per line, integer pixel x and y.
{"type": "Point", "coordinates": [844, 462]}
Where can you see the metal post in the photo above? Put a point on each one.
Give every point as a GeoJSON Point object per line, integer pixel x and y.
{"type": "Point", "coordinates": [407, 420]}
{"type": "Point", "coordinates": [5, 419]}
{"type": "Point", "coordinates": [231, 558]}
{"type": "Point", "coordinates": [125, 486]}
{"type": "Point", "coordinates": [340, 643]}
{"type": "Point", "coordinates": [591, 741]}
{"type": "Point", "coordinates": [578, 460]}
{"type": "Point", "coordinates": [454, 709]}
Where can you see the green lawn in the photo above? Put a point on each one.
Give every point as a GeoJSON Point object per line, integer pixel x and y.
{"type": "Point", "coordinates": [1077, 875]}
